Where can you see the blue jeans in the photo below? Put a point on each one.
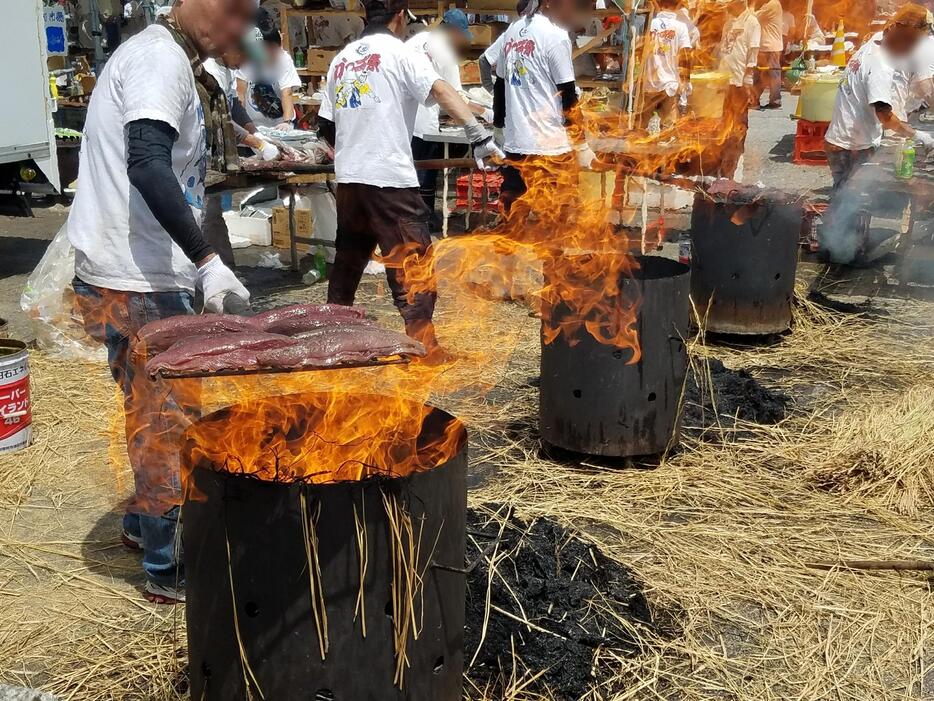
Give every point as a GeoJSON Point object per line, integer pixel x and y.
{"type": "Point", "coordinates": [156, 414]}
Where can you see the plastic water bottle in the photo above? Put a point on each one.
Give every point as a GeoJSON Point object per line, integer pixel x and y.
{"type": "Point", "coordinates": [321, 263]}
{"type": "Point", "coordinates": [905, 165]}
{"type": "Point", "coordinates": [655, 124]}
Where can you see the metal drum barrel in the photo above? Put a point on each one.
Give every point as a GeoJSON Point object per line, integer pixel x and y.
{"type": "Point", "coordinates": [15, 403]}
{"type": "Point", "coordinates": [592, 399]}
{"type": "Point", "coordinates": [743, 261]}
{"type": "Point", "coordinates": [283, 567]}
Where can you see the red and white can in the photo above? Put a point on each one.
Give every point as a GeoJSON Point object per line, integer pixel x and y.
{"type": "Point", "coordinates": [15, 407]}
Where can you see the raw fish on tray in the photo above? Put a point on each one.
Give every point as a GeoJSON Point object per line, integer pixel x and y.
{"type": "Point", "coordinates": [303, 317]}
{"type": "Point", "coordinates": [232, 351]}
{"type": "Point", "coordinates": [337, 345]}
{"type": "Point", "coordinates": [161, 334]}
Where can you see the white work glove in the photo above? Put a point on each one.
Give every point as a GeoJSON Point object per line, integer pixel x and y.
{"type": "Point", "coordinates": [925, 138]}
{"type": "Point", "coordinates": [585, 155]}
{"type": "Point", "coordinates": [487, 115]}
{"type": "Point", "coordinates": [481, 141]}
{"type": "Point", "coordinates": [217, 281]}
{"type": "Point", "coordinates": [268, 150]}
{"type": "Point", "coordinates": [487, 149]}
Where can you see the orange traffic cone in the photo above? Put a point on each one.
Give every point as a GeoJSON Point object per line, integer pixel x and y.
{"type": "Point", "coordinates": [838, 52]}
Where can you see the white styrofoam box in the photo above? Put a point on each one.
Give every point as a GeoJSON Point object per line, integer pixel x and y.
{"type": "Point", "coordinates": [247, 231]}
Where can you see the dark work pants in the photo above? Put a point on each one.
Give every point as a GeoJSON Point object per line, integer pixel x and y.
{"type": "Point", "coordinates": [427, 179]}
{"type": "Point", "coordinates": [544, 172]}
{"type": "Point", "coordinates": [769, 76]}
{"type": "Point", "coordinates": [392, 218]}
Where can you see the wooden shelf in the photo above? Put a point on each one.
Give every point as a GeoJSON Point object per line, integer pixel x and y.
{"type": "Point", "coordinates": [606, 50]}
{"type": "Point", "coordinates": [595, 83]}
{"type": "Point", "coordinates": [308, 12]}
{"type": "Point", "coordinates": [614, 12]}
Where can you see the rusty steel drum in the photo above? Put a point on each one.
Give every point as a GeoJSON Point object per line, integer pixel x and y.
{"type": "Point", "coordinates": [593, 400]}
{"type": "Point", "coordinates": [260, 593]}
{"type": "Point", "coordinates": [743, 261]}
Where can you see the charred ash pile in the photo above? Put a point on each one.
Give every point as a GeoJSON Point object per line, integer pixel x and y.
{"type": "Point", "coordinates": [554, 600]}
{"type": "Point", "coordinates": [726, 397]}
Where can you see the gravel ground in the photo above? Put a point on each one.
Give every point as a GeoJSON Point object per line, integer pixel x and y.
{"type": "Point", "coordinates": [23, 240]}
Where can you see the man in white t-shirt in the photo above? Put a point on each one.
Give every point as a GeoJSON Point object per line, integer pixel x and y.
{"type": "Point", "coordinates": [139, 252]}
{"type": "Point", "coordinates": [375, 86]}
{"type": "Point", "coordinates": [213, 226]}
{"type": "Point", "coordinates": [668, 66]}
{"type": "Point", "coordinates": [739, 52]}
{"type": "Point", "coordinates": [869, 101]}
{"type": "Point", "coordinates": [771, 45]}
{"type": "Point", "coordinates": [442, 46]}
{"type": "Point", "coordinates": [265, 88]}
{"type": "Point", "coordinates": [535, 88]}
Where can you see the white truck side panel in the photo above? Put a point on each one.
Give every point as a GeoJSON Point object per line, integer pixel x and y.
{"type": "Point", "coordinates": [27, 129]}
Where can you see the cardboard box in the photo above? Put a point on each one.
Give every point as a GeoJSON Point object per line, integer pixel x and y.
{"type": "Point", "coordinates": [476, 5]}
{"type": "Point", "coordinates": [470, 73]}
{"type": "Point", "coordinates": [319, 60]}
{"type": "Point", "coordinates": [304, 227]}
{"type": "Point", "coordinates": [486, 34]}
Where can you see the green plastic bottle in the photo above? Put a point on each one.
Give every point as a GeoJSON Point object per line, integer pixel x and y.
{"type": "Point", "coordinates": [905, 167]}
{"type": "Point", "coordinates": [321, 263]}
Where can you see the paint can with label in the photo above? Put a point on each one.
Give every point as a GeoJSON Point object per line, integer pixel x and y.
{"type": "Point", "coordinates": [15, 407]}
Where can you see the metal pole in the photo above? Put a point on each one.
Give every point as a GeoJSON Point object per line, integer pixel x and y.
{"type": "Point", "coordinates": [94, 16]}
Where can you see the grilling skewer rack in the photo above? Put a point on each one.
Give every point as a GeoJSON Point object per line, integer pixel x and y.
{"type": "Point", "coordinates": [245, 372]}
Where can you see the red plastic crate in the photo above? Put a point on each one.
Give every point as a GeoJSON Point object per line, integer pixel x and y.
{"type": "Point", "coordinates": [809, 143]}
{"type": "Point", "coordinates": [493, 183]}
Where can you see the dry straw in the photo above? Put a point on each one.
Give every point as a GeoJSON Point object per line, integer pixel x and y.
{"type": "Point", "coordinates": [720, 532]}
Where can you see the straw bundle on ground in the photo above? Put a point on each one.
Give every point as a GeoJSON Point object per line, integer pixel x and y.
{"type": "Point", "coordinates": [721, 532]}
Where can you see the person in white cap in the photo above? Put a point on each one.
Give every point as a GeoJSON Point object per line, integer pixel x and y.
{"type": "Point", "coordinates": [870, 100]}
{"type": "Point", "coordinates": [668, 67]}
{"type": "Point", "coordinates": [375, 86]}
{"type": "Point", "coordinates": [739, 53]}
{"type": "Point", "coordinates": [536, 89]}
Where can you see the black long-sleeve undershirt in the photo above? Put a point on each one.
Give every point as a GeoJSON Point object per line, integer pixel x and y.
{"type": "Point", "coordinates": [499, 103]}
{"type": "Point", "coordinates": [149, 168]}
{"type": "Point", "coordinates": [327, 130]}
{"type": "Point", "coordinates": [238, 115]}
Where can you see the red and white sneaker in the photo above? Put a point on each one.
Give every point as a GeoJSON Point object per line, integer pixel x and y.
{"type": "Point", "coordinates": [158, 594]}
{"type": "Point", "coordinates": [130, 541]}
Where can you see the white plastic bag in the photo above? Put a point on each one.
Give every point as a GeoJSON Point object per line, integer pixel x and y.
{"type": "Point", "coordinates": [49, 300]}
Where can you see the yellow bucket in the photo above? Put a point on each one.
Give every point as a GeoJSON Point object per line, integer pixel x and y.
{"type": "Point", "coordinates": [818, 95]}
{"type": "Point", "coordinates": [708, 92]}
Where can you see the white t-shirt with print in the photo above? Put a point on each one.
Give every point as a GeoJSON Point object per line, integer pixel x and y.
{"type": "Point", "coordinates": [374, 88]}
{"type": "Point", "coordinates": [437, 48]}
{"type": "Point", "coordinates": [118, 242]}
{"type": "Point", "coordinates": [535, 59]}
{"type": "Point", "coordinates": [669, 36]}
{"type": "Point", "coordinates": [869, 77]}
{"type": "Point", "coordinates": [740, 35]}
{"type": "Point", "coordinates": [264, 86]}
{"type": "Point", "coordinates": [226, 77]}
{"type": "Point", "coordinates": [495, 50]}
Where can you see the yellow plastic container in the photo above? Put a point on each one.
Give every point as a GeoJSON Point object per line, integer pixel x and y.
{"type": "Point", "coordinates": [818, 94]}
{"type": "Point", "coordinates": [708, 93]}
